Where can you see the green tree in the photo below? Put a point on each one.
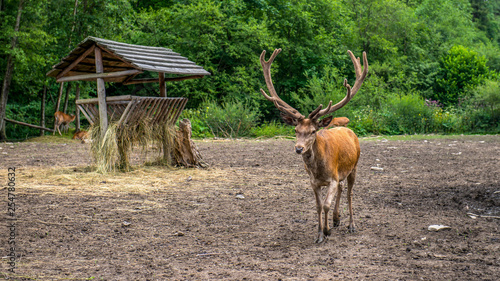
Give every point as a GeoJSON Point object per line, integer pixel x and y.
{"type": "Point", "coordinates": [461, 70]}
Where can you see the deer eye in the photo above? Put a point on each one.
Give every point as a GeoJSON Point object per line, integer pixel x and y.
{"type": "Point", "coordinates": [313, 132]}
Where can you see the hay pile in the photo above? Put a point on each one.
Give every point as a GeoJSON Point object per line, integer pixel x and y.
{"type": "Point", "coordinates": [175, 147]}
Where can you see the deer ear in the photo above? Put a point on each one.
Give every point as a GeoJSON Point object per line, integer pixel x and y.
{"type": "Point", "coordinates": [325, 121]}
{"type": "Point", "coordinates": [289, 120]}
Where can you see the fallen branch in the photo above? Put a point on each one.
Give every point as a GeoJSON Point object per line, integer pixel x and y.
{"type": "Point", "coordinates": [28, 125]}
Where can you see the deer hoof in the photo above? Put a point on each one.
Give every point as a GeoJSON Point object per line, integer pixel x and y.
{"type": "Point", "coordinates": [320, 239]}
{"type": "Point", "coordinates": [351, 229]}
{"type": "Point", "coordinates": [327, 232]}
{"type": "Point", "coordinates": [336, 222]}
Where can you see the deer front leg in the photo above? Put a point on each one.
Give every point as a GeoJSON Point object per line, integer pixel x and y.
{"type": "Point", "coordinates": [326, 206]}
{"type": "Point", "coordinates": [319, 209]}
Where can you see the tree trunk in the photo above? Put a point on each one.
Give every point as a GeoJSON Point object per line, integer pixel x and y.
{"type": "Point", "coordinates": [74, 23]}
{"type": "Point", "coordinates": [185, 151]}
{"type": "Point", "coordinates": [8, 74]}
{"type": "Point", "coordinates": [42, 109]}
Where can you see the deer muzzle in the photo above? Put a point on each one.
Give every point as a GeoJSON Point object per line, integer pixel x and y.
{"type": "Point", "coordinates": [299, 149]}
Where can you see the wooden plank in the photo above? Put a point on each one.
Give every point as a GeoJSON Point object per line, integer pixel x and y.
{"type": "Point", "coordinates": [99, 75]}
{"type": "Point", "coordinates": [141, 81]}
{"type": "Point", "coordinates": [155, 80]}
{"type": "Point", "coordinates": [165, 103]}
{"type": "Point", "coordinates": [152, 57]}
{"type": "Point", "coordinates": [110, 43]}
{"type": "Point", "coordinates": [111, 112]}
{"type": "Point", "coordinates": [101, 93]}
{"type": "Point", "coordinates": [172, 70]}
{"type": "Point", "coordinates": [77, 96]}
{"type": "Point", "coordinates": [143, 109]}
{"type": "Point", "coordinates": [163, 88]}
{"type": "Point", "coordinates": [180, 108]}
{"type": "Point", "coordinates": [181, 63]}
{"type": "Point", "coordinates": [142, 50]}
{"type": "Point", "coordinates": [58, 104]}
{"type": "Point", "coordinates": [75, 62]}
{"type": "Point", "coordinates": [108, 99]}
{"type": "Point", "coordinates": [28, 125]}
{"type": "Point", "coordinates": [152, 108]}
{"type": "Point", "coordinates": [116, 56]}
{"type": "Point", "coordinates": [165, 115]}
{"type": "Point", "coordinates": [91, 121]}
{"type": "Point", "coordinates": [92, 110]}
{"type": "Point", "coordinates": [173, 111]}
{"type": "Point", "coordinates": [126, 112]}
{"type": "Point", "coordinates": [134, 102]}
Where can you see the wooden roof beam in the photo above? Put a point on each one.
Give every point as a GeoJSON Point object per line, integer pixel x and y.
{"type": "Point", "coordinates": [75, 62]}
{"type": "Point", "coordinates": [99, 75]}
{"type": "Point", "coordinates": [156, 80]}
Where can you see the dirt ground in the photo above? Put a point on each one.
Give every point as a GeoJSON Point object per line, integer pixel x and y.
{"type": "Point", "coordinates": [251, 215]}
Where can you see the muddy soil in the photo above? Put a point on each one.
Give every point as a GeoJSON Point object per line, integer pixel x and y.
{"type": "Point", "coordinates": [251, 215]}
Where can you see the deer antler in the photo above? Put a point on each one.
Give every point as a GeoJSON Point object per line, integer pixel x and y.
{"type": "Point", "coordinates": [278, 102]}
{"type": "Point", "coordinates": [360, 77]}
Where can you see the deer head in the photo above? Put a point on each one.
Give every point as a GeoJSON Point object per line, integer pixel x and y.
{"type": "Point", "coordinates": [306, 128]}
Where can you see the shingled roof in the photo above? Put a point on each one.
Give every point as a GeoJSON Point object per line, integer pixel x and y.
{"type": "Point", "coordinates": [127, 59]}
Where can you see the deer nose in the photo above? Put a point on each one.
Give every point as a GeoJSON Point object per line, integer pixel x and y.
{"type": "Point", "coordinates": [299, 149]}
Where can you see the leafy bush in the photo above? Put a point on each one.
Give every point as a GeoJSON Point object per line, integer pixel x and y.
{"type": "Point", "coordinates": [319, 89]}
{"type": "Point", "coordinates": [198, 125]}
{"type": "Point", "coordinates": [483, 108]}
{"type": "Point", "coordinates": [407, 115]}
{"type": "Point", "coordinates": [272, 129]}
{"type": "Point", "coordinates": [232, 119]}
{"type": "Point", "coordinates": [461, 69]}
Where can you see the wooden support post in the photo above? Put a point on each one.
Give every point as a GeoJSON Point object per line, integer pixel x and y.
{"type": "Point", "coordinates": [66, 99]}
{"type": "Point", "coordinates": [163, 88]}
{"type": "Point", "coordinates": [58, 104]}
{"type": "Point", "coordinates": [42, 110]}
{"type": "Point", "coordinates": [101, 93]}
{"type": "Point", "coordinates": [77, 97]}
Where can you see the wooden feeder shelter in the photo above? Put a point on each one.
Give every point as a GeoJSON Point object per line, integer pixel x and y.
{"type": "Point", "coordinates": [100, 60]}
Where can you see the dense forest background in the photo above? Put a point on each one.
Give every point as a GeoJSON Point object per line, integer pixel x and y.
{"type": "Point", "coordinates": [433, 64]}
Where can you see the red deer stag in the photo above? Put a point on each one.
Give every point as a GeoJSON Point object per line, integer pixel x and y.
{"type": "Point", "coordinates": [330, 156]}
{"type": "Point", "coordinates": [63, 119]}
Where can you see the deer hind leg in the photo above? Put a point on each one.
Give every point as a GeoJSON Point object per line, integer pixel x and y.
{"type": "Point", "coordinates": [336, 213]}
{"type": "Point", "coordinates": [326, 206]}
{"type": "Point", "coordinates": [56, 127]}
{"type": "Point", "coordinates": [350, 184]}
{"type": "Point", "coordinates": [319, 209]}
